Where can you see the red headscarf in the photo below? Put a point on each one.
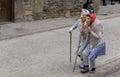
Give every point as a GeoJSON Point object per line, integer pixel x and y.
{"type": "Point", "coordinates": [93, 17]}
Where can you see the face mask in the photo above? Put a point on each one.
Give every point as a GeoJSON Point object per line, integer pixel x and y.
{"type": "Point", "coordinates": [88, 21]}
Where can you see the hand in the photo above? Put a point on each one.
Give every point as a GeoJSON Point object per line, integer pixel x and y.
{"type": "Point", "coordinates": [81, 31]}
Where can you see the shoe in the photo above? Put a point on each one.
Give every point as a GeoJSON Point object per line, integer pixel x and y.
{"type": "Point", "coordinates": [78, 56]}
{"type": "Point", "coordinates": [92, 71]}
{"type": "Point", "coordinates": [105, 4]}
{"type": "Point", "coordinates": [81, 66]}
{"type": "Point", "coordinates": [85, 70]}
{"type": "Point", "coordinates": [112, 3]}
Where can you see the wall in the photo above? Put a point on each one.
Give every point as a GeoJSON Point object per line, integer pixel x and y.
{"type": "Point", "coordinates": [18, 10]}
{"type": "Point", "coordinates": [59, 8]}
{"type": "Point", "coordinates": [27, 10]}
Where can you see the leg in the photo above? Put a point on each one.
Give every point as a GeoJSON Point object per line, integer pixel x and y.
{"type": "Point", "coordinates": [91, 65]}
{"type": "Point", "coordinates": [91, 61]}
{"type": "Point", "coordinates": [82, 53]}
{"type": "Point", "coordinates": [112, 2]}
{"type": "Point", "coordinates": [85, 59]}
{"type": "Point", "coordinates": [80, 46]}
{"type": "Point", "coordinates": [85, 54]}
{"type": "Point", "coordinates": [79, 53]}
{"type": "Point", "coordinates": [104, 3]}
{"type": "Point", "coordinates": [95, 52]}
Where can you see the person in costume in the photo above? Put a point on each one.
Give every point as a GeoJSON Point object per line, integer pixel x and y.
{"type": "Point", "coordinates": [97, 45]}
{"type": "Point", "coordinates": [83, 42]}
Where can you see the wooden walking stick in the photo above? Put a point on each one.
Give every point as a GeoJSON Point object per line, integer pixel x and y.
{"type": "Point", "coordinates": [70, 45]}
{"type": "Point", "coordinates": [75, 63]}
{"type": "Point", "coordinates": [77, 51]}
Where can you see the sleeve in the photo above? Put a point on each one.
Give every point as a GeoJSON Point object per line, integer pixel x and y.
{"type": "Point", "coordinates": [99, 31]}
{"type": "Point", "coordinates": [94, 34]}
{"type": "Point", "coordinates": [75, 25]}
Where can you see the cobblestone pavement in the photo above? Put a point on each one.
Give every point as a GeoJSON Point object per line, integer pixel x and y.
{"type": "Point", "coordinates": [46, 54]}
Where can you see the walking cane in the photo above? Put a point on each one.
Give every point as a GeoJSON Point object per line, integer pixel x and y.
{"type": "Point", "coordinates": [75, 63]}
{"type": "Point", "coordinates": [76, 55]}
{"type": "Point", "coordinates": [70, 45]}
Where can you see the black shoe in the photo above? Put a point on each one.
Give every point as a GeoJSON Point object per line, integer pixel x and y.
{"type": "Point", "coordinates": [92, 71]}
{"type": "Point", "coordinates": [78, 56]}
{"type": "Point", "coordinates": [104, 4]}
{"type": "Point", "coordinates": [112, 3]}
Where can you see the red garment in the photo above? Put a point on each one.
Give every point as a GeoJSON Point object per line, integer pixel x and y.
{"type": "Point", "coordinates": [93, 17]}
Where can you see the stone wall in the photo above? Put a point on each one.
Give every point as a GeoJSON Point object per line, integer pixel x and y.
{"type": "Point", "coordinates": [27, 10]}
{"type": "Point", "coordinates": [51, 8]}
{"type": "Point", "coordinates": [18, 10]}
{"type": "Point", "coordinates": [97, 5]}
{"type": "Point", "coordinates": [77, 5]}
{"type": "Point", "coordinates": [58, 8]}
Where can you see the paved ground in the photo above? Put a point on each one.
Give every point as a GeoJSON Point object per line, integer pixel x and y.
{"type": "Point", "coordinates": [117, 74]}
{"type": "Point", "coordinates": [109, 9]}
{"type": "Point", "coordinates": [46, 54]}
